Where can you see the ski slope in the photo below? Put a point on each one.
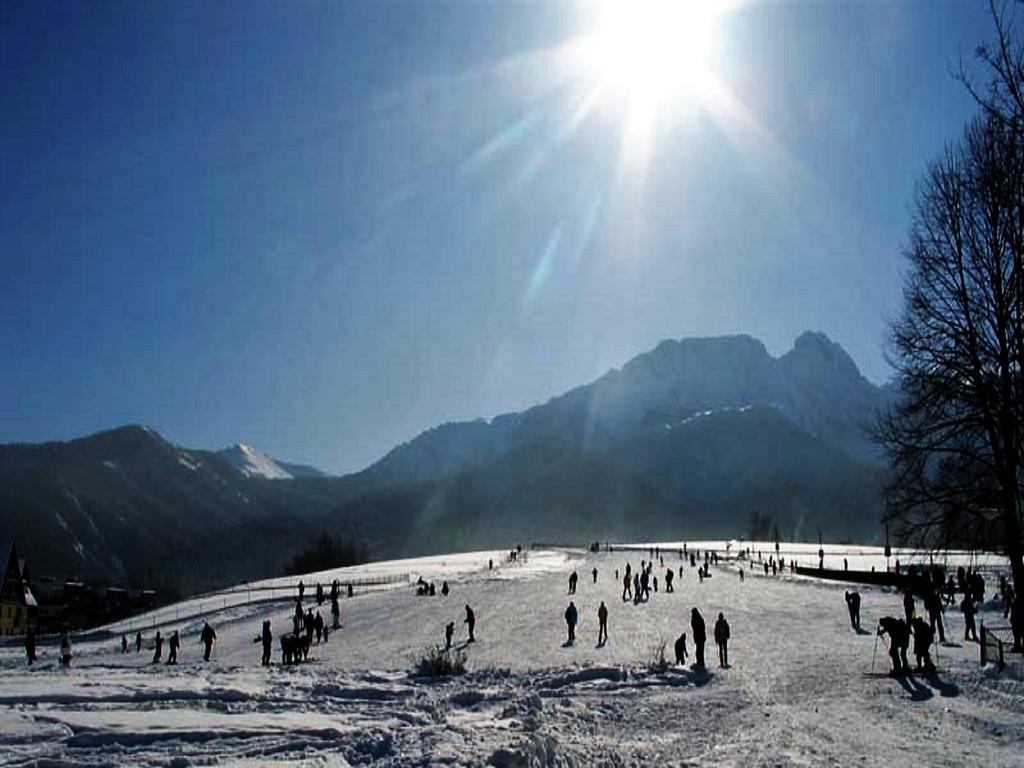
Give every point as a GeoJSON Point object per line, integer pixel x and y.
{"type": "Point", "coordinates": [798, 692]}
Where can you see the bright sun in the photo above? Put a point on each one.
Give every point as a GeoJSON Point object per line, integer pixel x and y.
{"type": "Point", "coordinates": [655, 48]}
{"type": "Point", "coordinates": [651, 55]}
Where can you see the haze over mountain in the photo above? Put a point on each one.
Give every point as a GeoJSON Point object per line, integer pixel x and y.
{"type": "Point", "coordinates": [688, 439]}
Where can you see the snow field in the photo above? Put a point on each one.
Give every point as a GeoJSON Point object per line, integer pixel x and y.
{"type": "Point", "coordinates": [797, 693]}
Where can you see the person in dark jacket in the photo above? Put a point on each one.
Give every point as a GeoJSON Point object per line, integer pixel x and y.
{"type": "Point", "coordinates": [124, 643]}
{"type": "Point", "coordinates": [65, 650]}
{"type": "Point", "coordinates": [722, 640]}
{"type": "Point", "coordinates": [335, 614]}
{"type": "Point", "coordinates": [853, 605]}
{"type": "Point", "coordinates": [172, 648]}
{"type": "Point", "coordinates": [470, 622]}
{"type": "Point", "coordinates": [681, 649]}
{"type": "Point", "coordinates": [207, 637]}
{"type": "Point", "coordinates": [318, 626]}
{"type": "Point", "coordinates": [669, 575]}
{"type": "Point", "coordinates": [923, 637]}
{"type": "Point", "coordinates": [602, 624]}
{"type": "Point", "coordinates": [449, 630]}
{"type": "Point", "coordinates": [933, 604]}
{"type": "Point", "coordinates": [158, 647]}
{"type": "Point", "coordinates": [30, 647]}
{"type": "Point", "coordinates": [267, 638]}
{"type": "Point", "coordinates": [573, 578]}
{"type": "Point", "coordinates": [571, 617]}
{"type": "Point", "coordinates": [899, 639]}
{"type": "Point", "coordinates": [138, 642]}
{"type": "Point", "coordinates": [700, 635]}
{"type": "Point", "coordinates": [594, 574]}
{"type": "Point", "coordinates": [970, 630]}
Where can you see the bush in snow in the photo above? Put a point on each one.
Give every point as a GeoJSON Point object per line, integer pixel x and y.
{"type": "Point", "coordinates": [658, 662]}
{"type": "Point", "coordinates": [437, 662]}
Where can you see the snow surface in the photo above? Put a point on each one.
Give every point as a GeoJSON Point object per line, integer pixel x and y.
{"type": "Point", "coordinates": [798, 692]}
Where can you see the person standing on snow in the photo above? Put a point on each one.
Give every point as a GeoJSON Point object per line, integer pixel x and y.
{"type": "Point", "coordinates": [627, 592]}
{"type": "Point", "coordinates": [722, 640]}
{"type": "Point", "coordinates": [923, 637]}
{"type": "Point", "coordinates": [853, 605]}
{"type": "Point", "coordinates": [594, 574]}
{"type": "Point", "coordinates": [207, 637]}
{"type": "Point", "coordinates": [933, 604]}
{"type": "Point", "coordinates": [602, 624]}
{"type": "Point", "coordinates": [449, 630]}
{"type": "Point", "coordinates": [158, 647]}
{"type": "Point", "coordinates": [267, 638]}
{"type": "Point", "coordinates": [573, 578]}
{"type": "Point", "coordinates": [700, 635]}
{"type": "Point", "coordinates": [138, 642]}
{"type": "Point", "coordinates": [30, 647]}
{"type": "Point", "coordinates": [970, 630]}
{"type": "Point", "coordinates": [571, 617]}
{"type": "Point", "coordinates": [470, 622]}
{"type": "Point", "coordinates": [172, 648]}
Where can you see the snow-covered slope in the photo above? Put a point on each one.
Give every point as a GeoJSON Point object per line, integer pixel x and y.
{"type": "Point", "coordinates": [800, 691]}
{"type": "Point", "coordinates": [254, 463]}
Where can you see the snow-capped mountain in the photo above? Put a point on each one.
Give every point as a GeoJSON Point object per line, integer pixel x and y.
{"type": "Point", "coordinates": [816, 386]}
{"type": "Point", "coordinates": [253, 463]}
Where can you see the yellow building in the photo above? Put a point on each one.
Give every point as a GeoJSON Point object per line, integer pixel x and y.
{"type": "Point", "coordinates": [18, 607]}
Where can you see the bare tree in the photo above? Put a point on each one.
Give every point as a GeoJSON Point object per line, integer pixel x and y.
{"type": "Point", "coordinates": [954, 437]}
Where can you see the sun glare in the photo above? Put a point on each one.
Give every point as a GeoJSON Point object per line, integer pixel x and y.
{"type": "Point", "coordinates": [651, 56]}
{"type": "Point", "coordinates": [651, 48]}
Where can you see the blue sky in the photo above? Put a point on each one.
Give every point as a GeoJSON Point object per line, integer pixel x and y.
{"type": "Point", "coordinates": [323, 227]}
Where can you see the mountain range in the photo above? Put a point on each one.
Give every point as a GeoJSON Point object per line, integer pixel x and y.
{"type": "Point", "coordinates": [686, 440]}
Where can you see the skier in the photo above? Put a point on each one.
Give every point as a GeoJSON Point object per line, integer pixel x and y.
{"type": "Point", "coordinates": [138, 642]}
{"type": "Point", "coordinates": [627, 592]}
{"type": "Point", "coordinates": [172, 648]}
{"type": "Point", "coordinates": [444, 588]}
{"type": "Point", "coordinates": [853, 605]}
{"type": "Point", "coordinates": [594, 574]}
{"type": "Point", "coordinates": [124, 643]}
{"type": "Point", "coordinates": [899, 639]}
{"type": "Point", "coordinates": [722, 640]}
{"type": "Point", "coordinates": [65, 650]}
{"type": "Point", "coordinates": [699, 635]}
{"type": "Point", "coordinates": [30, 647]}
{"type": "Point", "coordinates": [335, 614]}
{"type": "Point", "coordinates": [571, 617]}
{"type": "Point", "coordinates": [968, 609]}
{"type": "Point", "coordinates": [309, 624]}
{"type": "Point", "coordinates": [158, 647]}
{"type": "Point", "coordinates": [208, 637]}
{"type": "Point", "coordinates": [668, 580]}
{"type": "Point", "coordinates": [267, 638]}
{"type": "Point", "coordinates": [470, 622]}
{"type": "Point", "coordinates": [923, 636]}
{"type": "Point", "coordinates": [449, 630]}
{"type": "Point", "coordinates": [572, 583]}
{"type": "Point", "coordinates": [602, 624]}
{"type": "Point", "coordinates": [681, 649]}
